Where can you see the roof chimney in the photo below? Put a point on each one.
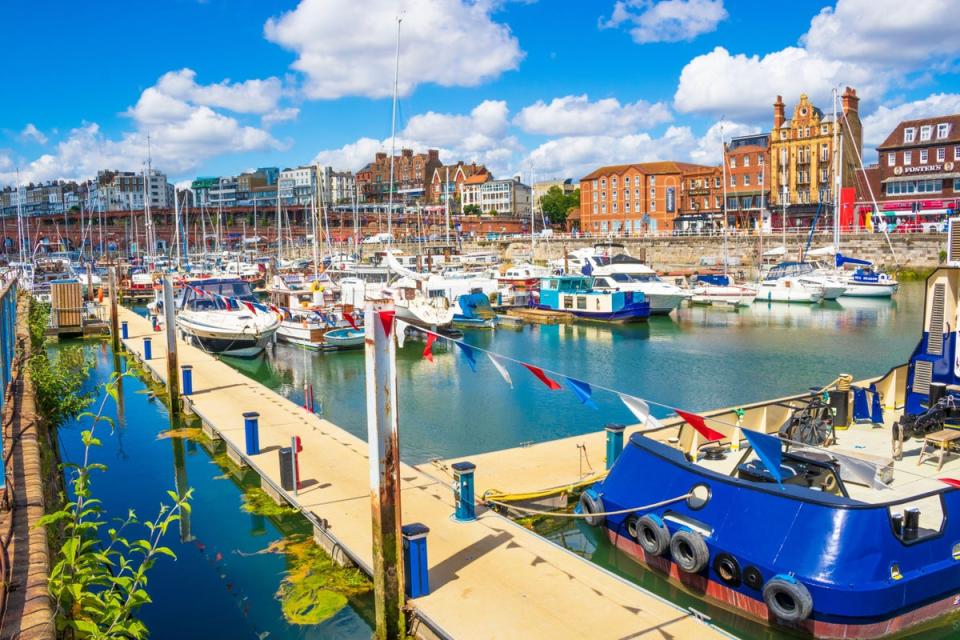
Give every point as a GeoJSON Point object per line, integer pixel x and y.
{"type": "Point", "coordinates": [779, 113]}
{"type": "Point", "coordinates": [849, 100]}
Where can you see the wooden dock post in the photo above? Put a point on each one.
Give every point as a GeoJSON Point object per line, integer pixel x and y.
{"type": "Point", "coordinates": [384, 457]}
{"type": "Point", "coordinates": [114, 317]}
{"type": "Point", "coordinates": [170, 324]}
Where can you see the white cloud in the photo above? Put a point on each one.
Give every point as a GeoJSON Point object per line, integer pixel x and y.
{"type": "Point", "coordinates": [483, 128]}
{"type": "Point", "coordinates": [667, 20]}
{"type": "Point", "coordinates": [30, 132]}
{"type": "Point", "coordinates": [742, 86]}
{"type": "Point", "coordinates": [892, 32]}
{"type": "Point", "coordinates": [249, 96]}
{"type": "Point", "coordinates": [284, 114]}
{"type": "Point", "coordinates": [576, 115]}
{"type": "Point", "coordinates": [351, 156]}
{"type": "Point", "coordinates": [709, 148]}
{"type": "Point", "coordinates": [878, 125]}
{"type": "Point", "coordinates": [345, 47]}
{"type": "Point", "coordinates": [6, 163]}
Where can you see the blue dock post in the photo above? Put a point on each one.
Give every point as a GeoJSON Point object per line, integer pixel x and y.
{"type": "Point", "coordinates": [187, 375]}
{"type": "Point", "coordinates": [147, 348]}
{"type": "Point", "coordinates": [415, 559]}
{"type": "Point", "coordinates": [614, 443]}
{"type": "Point", "coordinates": [463, 479]}
{"type": "Point", "coordinates": [124, 330]}
{"type": "Point", "coordinates": [251, 427]}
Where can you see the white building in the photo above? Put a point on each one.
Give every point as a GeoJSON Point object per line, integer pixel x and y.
{"type": "Point", "coordinates": [338, 187]}
{"type": "Point", "coordinates": [124, 191]}
{"type": "Point", "coordinates": [504, 197]}
{"type": "Point", "coordinates": [298, 186]}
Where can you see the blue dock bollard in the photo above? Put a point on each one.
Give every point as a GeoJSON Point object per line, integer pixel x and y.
{"type": "Point", "coordinates": [147, 348]}
{"type": "Point", "coordinates": [251, 428]}
{"type": "Point", "coordinates": [124, 330]}
{"type": "Point", "coordinates": [415, 559]}
{"type": "Point", "coordinates": [463, 490]}
{"type": "Point", "coordinates": [187, 379]}
{"type": "Point", "coordinates": [614, 443]}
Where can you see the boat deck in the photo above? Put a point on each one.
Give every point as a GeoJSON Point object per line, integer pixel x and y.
{"type": "Point", "coordinates": [489, 578]}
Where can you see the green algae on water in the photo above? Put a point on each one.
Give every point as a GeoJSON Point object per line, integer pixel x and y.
{"type": "Point", "coordinates": [256, 501]}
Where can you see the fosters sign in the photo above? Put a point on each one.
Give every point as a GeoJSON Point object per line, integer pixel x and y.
{"type": "Point", "coordinates": [923, 168]}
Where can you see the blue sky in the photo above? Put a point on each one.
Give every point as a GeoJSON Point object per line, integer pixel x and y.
{"type": "Point", "coordinates": [549, 87]}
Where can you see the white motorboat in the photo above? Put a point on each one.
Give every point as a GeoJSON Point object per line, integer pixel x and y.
{"type": "Point", "coordinates": [798, 282]}
{"type": "Point", "coordinates": [204, 318]}
{"type": "Point", "coordinates": [788, 289]}
{"type": "Point", "coordinates": [523, 275]}
{"type": "Point", "coordinates": [721, 291]}
{"type": "Point", "coordinates": [630, 274]}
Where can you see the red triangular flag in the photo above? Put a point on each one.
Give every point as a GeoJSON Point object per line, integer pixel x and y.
{"type": "Point", "coordinates": [542, 377]}
{"type": "Point", "coordinates": [428, 350]}
{"type": "Point", "coordinates": [951, 481]}
{"type": "Point", "coordinates": [698, 423]}
{"type": "Point", "coordinates": [349, 318]}
{"type": "Point", "coordinates": [386, 320]}
{"type": "Point", "coordinates": [249, 305]}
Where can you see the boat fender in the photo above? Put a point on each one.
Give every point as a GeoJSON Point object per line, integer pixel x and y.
{"type": "Point", "coordinates": [753, 578]}
{"type": "Point", "coordinates": [651, 534]}
{"type": "Point", "coordinates": [787, 598]}
{"type": "Point", "coordinates": [689, 551]}
{"type": "Point", "coordinates": [591, 503]}
{"type": "Point", "coordinates": [727, 568]}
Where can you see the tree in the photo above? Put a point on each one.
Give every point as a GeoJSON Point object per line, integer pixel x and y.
{"type": "Point", "coordinates": [556, 203]}
{"type": "Point", "coordinates": [472, 210]}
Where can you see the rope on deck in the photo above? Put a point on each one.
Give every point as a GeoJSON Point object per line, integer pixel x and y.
{"type": "Point", "coordinates": [618, 512]}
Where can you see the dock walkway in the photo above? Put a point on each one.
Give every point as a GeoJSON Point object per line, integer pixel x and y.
{"type": "Point", "coordinates": [489, 578]}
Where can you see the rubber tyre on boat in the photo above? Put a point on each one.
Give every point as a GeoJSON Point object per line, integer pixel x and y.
{"type": "Point", "coordinates": [652, 535]}
{"type": "Point", "coordinates": [787, 599]}
{"type": "Point", "coordinates": [689, 551]}
{"type": "Point", "coordinates": [591, 504]}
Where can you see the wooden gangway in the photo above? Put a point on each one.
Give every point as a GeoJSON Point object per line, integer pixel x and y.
{"type": "Point", "coordinates": [489, 578]}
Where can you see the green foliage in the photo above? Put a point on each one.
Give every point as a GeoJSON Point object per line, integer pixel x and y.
{"type": "Point", "coordinates": [59, 383]}
{"type": "Point", "coordinates": [472, 210]}
{"type": "Point", "coordinates": [39, 319]}
{"type": "Point", "coordinates": [555, 203]}
{"type": "Point", "coordinates": [99, 579]}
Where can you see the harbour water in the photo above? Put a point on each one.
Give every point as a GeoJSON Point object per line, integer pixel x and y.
{"type": "Point", "coordinates": [700, 359]}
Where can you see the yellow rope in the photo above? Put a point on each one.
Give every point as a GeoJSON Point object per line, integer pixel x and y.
{"type": "Point", "coordinates": [500, 496]}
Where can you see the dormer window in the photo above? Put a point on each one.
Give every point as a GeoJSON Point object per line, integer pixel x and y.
{"type": "Point", "coordinates": [925, 132]}
{"type": "Point", "coordinates": [908, 134]}
{"type": "Point", "coordinates": [943, 130]}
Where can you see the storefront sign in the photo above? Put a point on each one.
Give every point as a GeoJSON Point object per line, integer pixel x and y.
{"type": "Point", "coordinates": [921, 168]}
{"type": "Point", "coordinates": [671, 200]}
{"type": "Point", "coordinates": [897, 206]}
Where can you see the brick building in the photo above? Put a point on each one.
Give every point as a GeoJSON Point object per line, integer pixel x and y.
{"type": "Point", "coordinates": [412, 173]}
{"type": "Point", "coordinates": [747, 160]}
{"type": "Point", "coordinates": [648, 196]}
{"type": "Point", "coordinates": [917, 178]}
{"type": "Point", "coordinates": [450, 178]}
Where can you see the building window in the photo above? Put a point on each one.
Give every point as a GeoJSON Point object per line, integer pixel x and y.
{"type": "Point", "coordinates": [907, 157]}
{"type": "Point", "coordinates": [594, 183]}
{"type": "Point", "coordinates": [596, 196]}
{"type": "Point", "coordinates": [956, 153]}
{"type": "Point", "coordinates": [908, 134]}
{"type": "Point", "coordinates": [806, 132]}
{"type": "Point", "coordinates": [636, 190]}
{"type": "Point", "coordinates": [613, 182]}
{"type": "Point", "coordinates": [614, 192]}
{"type": "Point", "coordinates": [603, 195]}
{"type": "Point", "coordinates": [603, 208]}
{"type": "Point", "coordinates": [614, 207]}
{"type": "Point", "coordinates": [925, 132]}
{"type": "Point", "coordinates": [914, 186]}
{"type": "Point", "coordinates": [746, 161]}
{"type": "Point", "coordinates": [924, 154]}
{"type": "Point", "coordinates": [733, 181]}
{"type": "Point", "coordinates": [733, 163]}
{"type": "Point", "coordinates": [716, 181]}
{"type": "Point", "coordinates": [823, 130]}
{"type": "Point", "coordinates": [603, 183]}
{"type": "Point", "coordinates": [943, 130]}
{"type": "Point", "coordinates": [760, 159]}
{"type": "Point", "coordinates": [941, 154]}
{"type": "Point", "coordinates": [653, 204]}
{"type": "Point", "coordinates": [891, 159]}
{"type": "Point", "coordinates": [595, 208]}
{"type": "Point", "coordinates": [746, 180]}
{"type": "Point", "coordinates": [626, 206]}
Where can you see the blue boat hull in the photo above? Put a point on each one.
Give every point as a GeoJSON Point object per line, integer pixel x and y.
{"type": "Point", "coordinates": [636, 312]}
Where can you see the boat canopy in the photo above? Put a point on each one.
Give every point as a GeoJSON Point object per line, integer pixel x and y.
{"type": "Point", "coordinates": [841, 260]}
{"type": "Point", "coordinates": [787, 269]}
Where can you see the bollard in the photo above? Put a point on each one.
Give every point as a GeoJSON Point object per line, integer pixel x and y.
{"type": "Point", "coordinates": [287, 479]}
{"type": "Point", "coordinates": [187, 376]}
{"type": "Point", "coordinates": [124, 330]}
{"type": "Point", "coordinates": [156, 322]}
{"type": "Point", "coordinates": [251, 428]}
{"type": "Point", "coordinates": [147, 348]}
{"type": "Point", "coordinates": [614, 443]}
{"type": "Point", "coordinates": [463, 481]}
{"type": "Point", "coordinates": [415, 559]}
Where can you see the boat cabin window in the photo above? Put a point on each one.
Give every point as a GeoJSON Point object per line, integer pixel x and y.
{"type": "Point", "coordinates": [621, 277]}
{"type": "Point", "coordinates": [435, 293]}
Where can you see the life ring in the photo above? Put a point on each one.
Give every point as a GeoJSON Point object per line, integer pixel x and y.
{"type": "Point", "coordinates": [727, 569]}
{"type": "Point", "coordinates": [590, 504]}
{"type": "Point", "coordinates": [652, 535]}
{"type": "Point", "coordinates": [787, 598]}
{"type": "Point", "coordinates": [689, 551]}
{"type": "Point", "coordinates": [315, 286]}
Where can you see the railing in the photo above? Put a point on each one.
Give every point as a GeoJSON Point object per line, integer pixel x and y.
{"type": "Point", "coordinates": [774, 236]}
{"type": "Point", "coordinates": [8, 331]}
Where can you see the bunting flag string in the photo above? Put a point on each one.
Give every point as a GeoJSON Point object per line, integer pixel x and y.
{"type": "Point", "coordinates": [428, 350]}
{"type": "Point", "coordinates": [502, 370]}
{"type": "Point", "coordinates": [639, 408]}
{"type": "Point", "coordinates": [953, 482]}
{"type": "Point", "coordinates": [386, 320]}
{"type": "Point", "coordinates": [401, 332]}
{"type": "Point", "coordinates": [768, 450]}
{"type": "Point", "coordinates": [553, 385]}
{"type": "Point", "coordinates": [468, 355]}
{"type": "Point", "coordinates": [582, 390]}
{"type": "Point", "coordinates": [349, 318]}
{"type": "Point", "coordinates": [698, 423]}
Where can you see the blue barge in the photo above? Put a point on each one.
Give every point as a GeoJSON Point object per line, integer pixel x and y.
{"type": "Point", "coordinates": [575, 295]}
{"type": "Point", "coordinates": [843, 518]}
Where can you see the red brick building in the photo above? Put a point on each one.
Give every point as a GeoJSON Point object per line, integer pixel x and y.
{"type": "Point", "coordinates": [412, 173]}
{"type": "Point", "coordinates": [747, 160]}
{"type": "Point", "coordinates": [647, 197]}
{"type": "Point", "coordinates": [456, 174]}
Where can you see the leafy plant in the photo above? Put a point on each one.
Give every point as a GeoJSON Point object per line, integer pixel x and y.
{"type": "Point", "coordinates": [59, 383]}
{"type": "Point", "coordinates": [98, 582]}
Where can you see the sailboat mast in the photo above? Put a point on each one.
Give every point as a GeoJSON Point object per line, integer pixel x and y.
{"type": "Point", "coordinates": [837, 176]}
{"type": "Point", "coordinates": [279, 225]}
{"type": "Point", "coordinates": [176, 225]}
{"type": "Point", "coordinates": [393, 131]}
{"type": "Point", "coordinates": [313, 223]}
{"type": "Point", "coordinates": [723, 208]}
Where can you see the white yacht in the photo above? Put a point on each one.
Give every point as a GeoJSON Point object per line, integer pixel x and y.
{"type": "Point", "coordinates": [783, 284]}
{"type": "Point", "coordinates": [205, 319]}
{"type": "Point", "coordinates": [720, 290]}
{"type": "Point", "coordinates": [630, 274]}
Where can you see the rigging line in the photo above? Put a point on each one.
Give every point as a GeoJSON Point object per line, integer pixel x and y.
{"type": "Point", "coordinates": [618, 512]}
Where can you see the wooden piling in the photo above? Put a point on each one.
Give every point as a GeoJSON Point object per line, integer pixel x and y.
{"type": "Point", "coordinates": [170, 324]}
{"type": "Point", "coordinates": [114, 317]}
{"type": "Point", "coordinates": [384, 460]}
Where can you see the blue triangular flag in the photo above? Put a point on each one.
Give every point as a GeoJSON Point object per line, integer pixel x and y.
{"type": "Point", "coordinates": [261, 307]}
{"type": "Point", "coordinates": [768, 450]}
{"type": "Point", "coordinates": [582, 390]}
{"type": "Point", "coordinates": [469, 355]}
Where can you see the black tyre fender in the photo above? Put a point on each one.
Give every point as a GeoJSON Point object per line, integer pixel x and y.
{"type": "Point", "coordinates": [753, 578]}
{"type": "Point", "coordinates": [591, 504]}
{"type": "Point", "coordinates": [652, 535]}
{"type": "Point", "coordinates": [787, 599]}
{"type": "Point", "coordinates": [727, 569]}
{"type": "Point", "coordinates": [689, 550]}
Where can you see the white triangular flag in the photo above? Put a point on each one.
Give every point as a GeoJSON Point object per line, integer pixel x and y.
{"type": "Point", "coordinates": [637, 407]}
{"type": "Point", "coordinates": [502, 370]}
{"type": "Point", "coordinates": [401, 332]}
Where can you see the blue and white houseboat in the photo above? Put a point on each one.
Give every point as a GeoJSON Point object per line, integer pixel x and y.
{"type": "Point", "coordinates": [843, 518]}
{"type": "Point", "coordinates": [575, 295]}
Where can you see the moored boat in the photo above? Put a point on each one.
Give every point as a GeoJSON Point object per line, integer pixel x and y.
{"type": "Point", "coordinates": [206, 319]}
{"type": "Point", "coordinates": [575, 295]}
{"type": "Point", "coordinates": [346, 338]}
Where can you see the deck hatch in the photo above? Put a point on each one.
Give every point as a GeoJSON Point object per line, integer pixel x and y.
{"type": "Point", "coordinates": [935, 331]}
